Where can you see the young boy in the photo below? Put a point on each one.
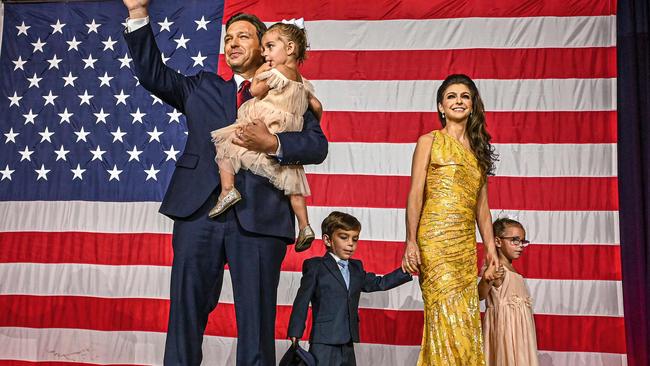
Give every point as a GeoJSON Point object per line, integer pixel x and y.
{"type": "Point", "coordinates": [333, 284]}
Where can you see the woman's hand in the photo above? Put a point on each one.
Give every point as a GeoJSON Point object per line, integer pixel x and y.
{"type": "Point", "coordinates": [491, 261]}
{"type": "Point", "coordinates": [411, 258]}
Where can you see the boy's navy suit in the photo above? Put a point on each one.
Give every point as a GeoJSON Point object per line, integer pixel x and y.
{"type": "Point", "coordinates": [251, 237]}
{"type": "Point", "coordinates": [335, 308]}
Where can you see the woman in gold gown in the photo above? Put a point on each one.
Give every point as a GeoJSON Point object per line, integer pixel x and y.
{"type": "Point", "coordinates": [448, 195]}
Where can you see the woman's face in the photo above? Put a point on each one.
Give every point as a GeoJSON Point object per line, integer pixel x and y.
{"type": "Point", "coordinates": [456, 103]}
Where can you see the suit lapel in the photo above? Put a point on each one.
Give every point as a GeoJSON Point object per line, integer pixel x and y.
{"type": "Point", "coordinates": [230, 101]}
{"type": "Point", "coordinates": [355, 276]}
{"type": "Point", "coordinates": [333, 267]}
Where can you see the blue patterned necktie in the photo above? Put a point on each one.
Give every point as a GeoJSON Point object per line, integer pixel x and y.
{"type": "Point", "coordinates": [345, 271]}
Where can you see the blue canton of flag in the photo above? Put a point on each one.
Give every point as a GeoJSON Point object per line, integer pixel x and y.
{"type": "Point", "coordinates": [76, 123]}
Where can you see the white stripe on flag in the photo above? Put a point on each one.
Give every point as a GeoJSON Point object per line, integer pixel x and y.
{"type": "Point", "coordinates": [147, 348]}
{"type": "Point", "coordinates": [461, 33]}
{"type": "Point", "coordinates": [515, 160]}
{"type": "Point", "coordinates": [553, 297]}
{"type": "Point", "coordinates": [383, 224]}
{"type": "Point", "coordinates": [498, 95]}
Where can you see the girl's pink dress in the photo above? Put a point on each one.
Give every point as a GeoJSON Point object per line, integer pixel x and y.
{"type": "Point", "coordinates": [281, 110]}
{"type": "Point", "coordinates": [508, 324]}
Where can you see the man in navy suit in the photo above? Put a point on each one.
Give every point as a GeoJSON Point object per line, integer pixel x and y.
{"type": "Point", "coordinates": [333, 284]}
{"type": "Point", "coordinates": [251, 237]}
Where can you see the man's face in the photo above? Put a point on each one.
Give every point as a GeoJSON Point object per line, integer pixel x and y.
{"type": "Point", "coordinates": [242, 47]}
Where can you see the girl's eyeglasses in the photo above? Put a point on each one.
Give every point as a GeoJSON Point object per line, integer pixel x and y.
{"type": "Point", "coordinates": [515, 240]}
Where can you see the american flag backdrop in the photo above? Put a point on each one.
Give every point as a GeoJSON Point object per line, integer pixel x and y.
{"type": "Point", "coordinates": [86, 154]}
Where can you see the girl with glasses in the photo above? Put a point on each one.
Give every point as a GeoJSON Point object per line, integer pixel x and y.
{"type": "Point", "coordinates": [508, 325]}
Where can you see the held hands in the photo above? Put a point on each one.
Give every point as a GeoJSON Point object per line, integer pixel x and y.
{"type": "Point", "coordinates": [492, 262]}
{"type": "Point", "coordinates": [411, 258]}
{"type": "Point", "coordinates": [255, 136]}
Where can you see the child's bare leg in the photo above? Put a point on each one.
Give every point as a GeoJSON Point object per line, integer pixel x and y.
{"type": "Point", "coordinates": [300, 209]}
{"type": "Point", "coordinates": [226, 176]}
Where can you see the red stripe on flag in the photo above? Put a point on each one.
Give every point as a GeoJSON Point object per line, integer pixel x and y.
{"type": "Point", "coordinates": [508, 193]}
{"type": "Point", "coordinates": [386, 9]}
{"type": "Point", "coordinates": [532, 63]}
{"type": "Point", "coordinates": [560, 333]}
{"type": "Point", "coordinates": [505, 127]}
{"type": "Point", "coordinates": [539, 261]}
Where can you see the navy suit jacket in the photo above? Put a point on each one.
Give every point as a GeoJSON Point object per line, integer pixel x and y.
{"type": "Point", "coordinates": [335, 309]}
{"type": "Point", "coordinates": [209, 102]}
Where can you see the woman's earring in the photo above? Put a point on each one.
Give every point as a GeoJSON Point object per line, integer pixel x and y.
{"type": "Point", "coordinates": [443, 116]}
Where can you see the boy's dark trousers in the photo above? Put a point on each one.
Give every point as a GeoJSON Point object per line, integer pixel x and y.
{"type": "Point", "coordinates": [333, 354]}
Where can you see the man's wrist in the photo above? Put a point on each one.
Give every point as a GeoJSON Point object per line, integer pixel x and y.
{"type": "Point", "coordinates": [138, 13]}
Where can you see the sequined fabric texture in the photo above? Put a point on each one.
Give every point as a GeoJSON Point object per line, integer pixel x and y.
{"type": "Point", "coordinates": [447, 241]}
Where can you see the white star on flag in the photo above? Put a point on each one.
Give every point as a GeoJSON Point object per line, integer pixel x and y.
{"type": "Point", "coordinates": [81, 134]}
{"type": "Point", "coordinates": [97, 153]}
{"type": "Point", "coordinates": [85, 98]}
{"type": "Point", "coordinates": [134, 154]}
{"type": "Point", "coordinates": [137, 116]}
{"type": "Point", "coordinates": [65, 116]}
{"type": "Point", "coordinates": [11, 136]}
{"type": "Point", "coordinates": [22, 29]}
{"type": "Point", "coordinates": [171, 153]}
{"type": "Point", "coordinates": [108, 44]}
{"type": "Point", "coordinates": [198, 59]}
{"type": "Point", "coordinates": [58, 27]}
{"type": "Point", "coordinates": [151, 173]}
{"type": "Point", "coordinates": [202, 23]}
{"type": "Point", "coordinates": [34, 80]}
{"type": "Point", "coordinates": [154, 135]}
{"type": "Point", "coordinates": [19, 63]}
{"type": "Point", "coordinates": [125, 61]}
{"type": "Point", "coordinates": [105, 80]}
{"type": "Point", "coordinates": [61, 153]}
{"type": "Point", "coordinates": [78, 173]}
{"type": "Point", "coordinates": [69, 80]}
{"type": "Point", "coordinates": [115, 173]}
{"type": "Point", "coordinates": [38, 45]}
{"type": "Point", "coordinates": [25, 154]}
{"type": "Point", "coordinates": [101, 116]}
{"type": "Point", "coordinates": [118, 134]}
{"type": "Point", "coordinates": [174, 116]}
{"type": "Point", "coordinates": [73, 45]}
{"type": "Point", "coordinates": [42, 172]}
{"type": "Point", "coordinates": [89, 62]}
{"type": "Point", "coordinates": [29, 117]}
{"type": "Point", "coordinates": [49, 98]}
{"type": "Point", "coordinates": [92, 27]}
{"type": "Point", "coordinates": [181, 42]}
{"type": "Point", "coordinates": [15, 100]}
{"type": "Point", "coordinates": [6, 173]}
{"type": "Point", "coordinates": [46, 135]}
{"type": "Point", "coordinates": [54, 62]}
{"type": "Point", "coordinates": [121, 98]}
{"type": "Point", "coordinates": [164, 25]}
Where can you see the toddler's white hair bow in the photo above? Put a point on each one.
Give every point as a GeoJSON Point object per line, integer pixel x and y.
{"type": "Point", "coordinates": [300, 22]}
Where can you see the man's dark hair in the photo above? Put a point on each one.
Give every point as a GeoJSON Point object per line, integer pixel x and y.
{"type": "Point", "coordinates": [254, 20]}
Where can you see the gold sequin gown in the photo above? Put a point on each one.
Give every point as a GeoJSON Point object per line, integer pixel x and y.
{"type": "Point", "coordinates": [447, 240]}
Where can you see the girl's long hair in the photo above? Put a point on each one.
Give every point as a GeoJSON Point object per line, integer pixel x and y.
{"type": "Point", "coordinates": [479, 138]}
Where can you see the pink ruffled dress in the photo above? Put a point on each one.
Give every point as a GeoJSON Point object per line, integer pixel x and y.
{"type": "Point", "coordinates": [281, 110]}
{"type": "Point", "coordinates": [508, 325]}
